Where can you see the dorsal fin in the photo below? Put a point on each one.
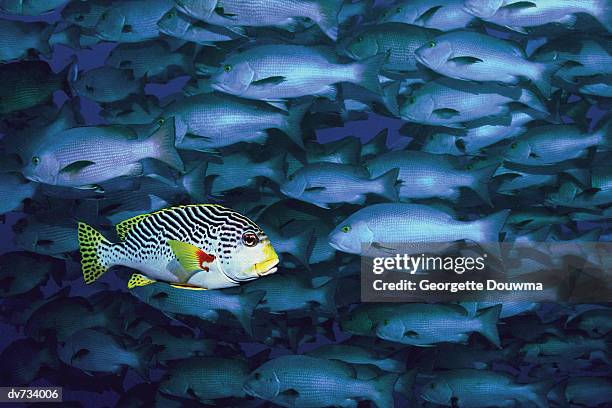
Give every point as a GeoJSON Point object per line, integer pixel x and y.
{"type": "Point", "coordinates": [125, 226]}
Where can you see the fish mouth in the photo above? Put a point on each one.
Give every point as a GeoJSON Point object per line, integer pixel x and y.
{"type": "Point", "coordinates": [266, 267]}
{"type": "Point", "coordinates": [421, 59]}
{"type": "Point", "coordinates": [218, 86]}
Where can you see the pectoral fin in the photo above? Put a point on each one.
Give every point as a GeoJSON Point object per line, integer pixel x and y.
{"type": "Point", "coordinates": [465, 60]}
{"type": "Point", "coordinates": [75, 167]}
{"type": "Point", "coordinates": [521, 5]}
{"type": "Point", "coordinates": [220, 11]}
{"type": "Point", "coordinates": [79, 355]}
{"type": "Point", "coordinates": [273, 80]}
{"type": "Point", "coordinates": [189, 256]}
{"type": "Point", "coordinates": [446, 113]}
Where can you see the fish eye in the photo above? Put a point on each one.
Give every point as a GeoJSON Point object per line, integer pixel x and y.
{"type": "Point", "coordinates": [36, 160]}
{"type": "Point", "coordinates": [170, 14]}
{"type": "Point", "coordinates": [161, 121]}
{"type": "Point", "coordinates": [227, 68]}
{"type": "Point", "coordinates": [513, 145]}
{"type": "Point", "coordinates": [412, 100]}
{"type": "Point", "coordinates": [431, 44]}
{"type": "Point", "coordinates": [250, 239]}
{"type": "Point", "coordinates": [432, 385]}
{"type": "Point", "coordinates": [386, 322]}
{"type": "Point", "coordinates": [345, 229]}
{"type": "Point", "coordinates": [79, 17]}
{"type": "Point", "coordinates": [398, 10]}
{"type": "Point", "coordinates": [360, 38]}
{"type": "Point", "coordinates": [257, 376]}
{"type": "Point", "coordinates": [469, 167]}
{"type": "Point", "coordinates": [291, 177]}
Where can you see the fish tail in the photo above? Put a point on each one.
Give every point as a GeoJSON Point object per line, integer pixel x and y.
{"type": "Point", "coordinates": [69, 37]}
{"type": "Point", "coordinates": [488, 324]}
{"type": "Point", "coordinates": [194, 182]}
{"type": "Point", "coordinates": [327, 296]}
{"type": "Point", "coordinates": [487, 231]}
{"type": "Point", "coordinates": [44, 47]}
{"type": "Point", "coordinates": [405, 383]}
{"type": "Point", "coordinates": [69, 75]}
{"type": "Point", "coordinates": [605, 133]}
{"type": "Point", "coordinates": [390, 93]}
{"type": "Point", "coordinates": [603, 13]}
{"type": "Point", "coordinates": [275, 168]}
{"type": "Point", "coordinates": [302, 247]}
{"type": "Point", "coordinates": [382, 390]}
{"type": "Point", "coordinates": [248, 302]}
{"type": "Point", "coordinates": [163, 141]}
{"type": "Point", "coordinates": [387, 184]}
{"type": "Point", "coordinates": [530, 99]}
{"type": "Point", "coordinates": [95, 255]}
{"type": "Point", "coordinates": [144, 354]}
{"type": "Point", "coordinates": [480, 182]}
{"type": "Point", "coordinates": [366, 73]}
{"type": "Point", "coordinates": [327, 18]}
{"type": "Point", "coordinates": [293, 123]}
{"type": "Point", "coordinates": [536, 392]}
{"type": "Point", "coordinates": [543, 76]}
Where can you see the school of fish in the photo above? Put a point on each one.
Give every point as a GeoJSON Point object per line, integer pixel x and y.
{"type": "Point", "coordinates": [187, 187]}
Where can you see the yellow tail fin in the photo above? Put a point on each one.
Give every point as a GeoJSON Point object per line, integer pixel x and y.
{"type": "Point", "coordinates": [90, 242]}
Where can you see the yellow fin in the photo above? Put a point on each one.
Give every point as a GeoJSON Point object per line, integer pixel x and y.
{"type": "Point", "coordinates": [189, 256]}
{"type": "Point", "coordinates": [92, 263]}
{"type": "Point", "coordinates": [189, 287]}
{"type": "Point", "coordinates": [125, 226]}
{"type": "Point", "coordinates": [139, 280]}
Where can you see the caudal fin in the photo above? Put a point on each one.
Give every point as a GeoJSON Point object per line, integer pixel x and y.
{"type": "Point", "coordinates": [405, 383]}
{"type": "Point", "coordinates": [543, 77]}
{"type": "Point", "coordinates": [94, 256]}
{"type": "Point", "coordinates": [536, 392]}
{"type": "Point", "coordinates": [327, 18]}
{"type": "Point", "coordinates": [302, 245]}
{"type": "Point", "coordinates": [194, 182]}
{"type": "Point", "coordinates": [248, 303]}
{"type": "Point", "coordinates": [144, 354]}
{"type": "Point", "coordinates": [366, 73]}
{"type": "Point", "coordinates": [386, 185]}
{"type": "Point", "coordinates": [382, 390]}
{"type": "Point", "coordinates": [163, 140]}
{"type": "Point", "coordinates": [390, 94]}
{"type": "Point", "coordinates": [480, 182]}
{"type": "Point", "coordinates": [488, 324]}
{"type": "Point", "coordinates": [605, 135]}
{"type": "Point", "coordinates": [69, 75]}
{"type": "Point", "coordinates": [293, 123]}
{"type": "Point", "coordinates": [275, 168]}
{"type": "Point", "coordinates": [488, 229]}
{"type": "Point", "coordinates": [327, 296]}
{"type": "Point", "coordinates": [529, 98]}
{"type": "Point", "coordinates": [603, 13]}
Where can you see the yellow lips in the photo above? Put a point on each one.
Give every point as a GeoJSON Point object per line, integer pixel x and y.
{"type": "Point", "coordinates": [266, 267]}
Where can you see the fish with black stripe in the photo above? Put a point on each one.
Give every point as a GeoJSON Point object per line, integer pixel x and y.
{"type": "Point", "coordinates": [202, 245]}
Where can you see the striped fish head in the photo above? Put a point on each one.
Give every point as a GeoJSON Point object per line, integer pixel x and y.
{"type": "Point", "coordinates": [251, 254]}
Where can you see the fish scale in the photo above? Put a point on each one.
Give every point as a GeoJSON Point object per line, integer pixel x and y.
{"type": "Point", "coordinates": [219, 121]}
{"type": "Point", "coordinates": [398, 40]}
